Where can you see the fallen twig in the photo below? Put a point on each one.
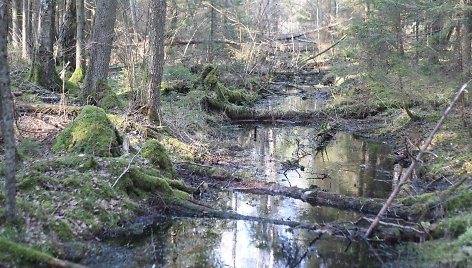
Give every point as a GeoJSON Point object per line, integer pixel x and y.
{"type": "Point", "coordinates": [126, 169]}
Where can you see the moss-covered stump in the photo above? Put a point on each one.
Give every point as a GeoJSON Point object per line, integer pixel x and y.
{"type": "Point", "coordinates": [106, 97]}
{"type": "Point", "coordinates": [90, 133]}
{"type": "Point", "coordinates": [79, 74]}
{"type": "Point", "coordinates": [157, 155]}
{"type": "Point", "coordinates": [40, 77]}
{"type": "Point", "coordinates": [146, 181]}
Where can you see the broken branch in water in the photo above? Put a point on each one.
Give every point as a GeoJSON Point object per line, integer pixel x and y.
{"type": "Point", "coordinates": [413, 164]}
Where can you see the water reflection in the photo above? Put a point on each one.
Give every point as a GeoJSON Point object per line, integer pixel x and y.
{"type": "Point", "coordinates": [230, 243]}
{"type": "Point", "coordinates": [355, 166]}
{"type": "Point", "coordinates": [302, 99]}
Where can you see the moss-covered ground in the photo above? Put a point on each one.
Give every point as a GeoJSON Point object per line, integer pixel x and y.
{"type": "Point", "coordinates": [68, 196]}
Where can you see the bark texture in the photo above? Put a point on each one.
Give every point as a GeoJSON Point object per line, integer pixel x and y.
{"type": "Point", "coordinates": [100, 50]}
{"type": "Point", "coordinates": [43, 70]}
{"type": "Point", "coordinates": [66, 48]}
{"type": "Point", "coordinates": [156, 64]}
{"type": "Point", "coordinates": [7, 115]}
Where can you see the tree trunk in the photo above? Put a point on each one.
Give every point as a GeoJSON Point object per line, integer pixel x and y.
{"type": "Point", "coordinates": [100, 49]}
{"type": "Point", "coordinates": [466, 41]}
{"type": "Point", "coordinates": [156, 64]}
{"type": "Point", "coordinates": [79, 72]}
{"type": "Point", "coordinates": [43, 69]}
{"type": "Point", "coordinates": [16, 22]}
{"type": "Point", "coordinates": [66, 41]}
{"type": "Point", "coordinates": [7, 115]}
{"type": "Point", "coordinates": [211, 44]}
{"type": "Point", "coordinates": [26, 31]}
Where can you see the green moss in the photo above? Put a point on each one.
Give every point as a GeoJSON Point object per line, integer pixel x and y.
{"type": "Point", "coordinates": [453, 226]}
{"type": "Point", "coordinates": [28, 149]}
{"type": "Point", "coordinates": [207, 69]}
{"type": "Point", "coordinates": [156, 154]}
{"type": "Point", "coordinates": [79, 74]}
{"type": "Point", "coordinates": [181, 195]}
{"type": "Point", "coordinates": [18, 252]}
{"type": "Point", "coordinates": [92, 133]}
{"type": "Point", "coordinates": [62, 229]}
{"type": "Point", "coordinates": [110, 100]}
{"type": "Point", "coordinates": [459, 200]}
{"type": "Point", "coordinates": [445, 252]}
{"type": "Point", "coordinates": [38, 76]}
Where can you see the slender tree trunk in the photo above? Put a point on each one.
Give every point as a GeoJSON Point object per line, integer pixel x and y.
{"type": "Point", "coordinates": [26, 31]}
{"type": "Point", "coordinates": [16, 22]}
{"type": "Point", "coordinates": [79, 72]}
{"type": "Point", "coordinates": [34, 10]}
{"type": "Point", "coordinates": [43, 69]}
{"type": "Point", "coordinates": [211, 44]}
{"type": "Point", "coordinates": [89, 15]}
{"type": "Point", "coordinates": [156, 65]}
{"type": "Point", "coordinates": [66, 49]}
{"type": "Point", "coordinates": [466, 39]}
{"type": "Point", "coordinates": [100, 49]}
{"type": "Point", "coordinates": [132, 6]}
{"type": "Point", "coordinates": [7, 115]}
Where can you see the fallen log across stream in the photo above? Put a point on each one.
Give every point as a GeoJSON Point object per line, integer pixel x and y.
{"type": "Point", "coordinates": [218, 178]}
{"type": "Point", "coordinates": [318, 197]}
{"type": "Point", "coordinates": [352, 231]}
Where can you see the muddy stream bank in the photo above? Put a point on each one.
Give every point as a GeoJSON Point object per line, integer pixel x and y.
{"type": "Point", "coordinates": [285, 154]}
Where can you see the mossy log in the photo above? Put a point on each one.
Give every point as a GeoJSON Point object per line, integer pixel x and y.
{"type": "Point", "coordinates": [32, 256]}
{"type": "Point", "coordinates": [46, 108]}
{"type": "Point", "coordinates": [219, 177]}
{"type": "Point", "coordinates": [213, 172]}
{"type": "Point", "coordinates": [318, 197]}
{"type": "Point", "coordinates": [351, 231]}
{"type": "Point", "coordinates": [233, 111]}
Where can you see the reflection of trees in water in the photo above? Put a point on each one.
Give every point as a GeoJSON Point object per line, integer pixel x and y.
{"type": "Point", "coordinates": [187, 243]}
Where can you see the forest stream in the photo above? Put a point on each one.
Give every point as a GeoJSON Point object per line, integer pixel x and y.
{"type": "Point", "coordinates": [348, 165]}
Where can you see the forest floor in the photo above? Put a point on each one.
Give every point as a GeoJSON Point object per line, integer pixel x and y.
{"type": "Point", "coordinates": [66, 199]}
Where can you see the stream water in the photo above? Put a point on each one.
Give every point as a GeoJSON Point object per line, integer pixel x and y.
{"type": "Point", "coordinates": [349, 165]}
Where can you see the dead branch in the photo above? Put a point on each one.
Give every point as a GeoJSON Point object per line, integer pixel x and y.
{"type": "Point", "coordinates": [324, 51]}
{"type": "Point", "coordinates": [126, 169]}
{"type": "Point", "coordinates": [415, 161]}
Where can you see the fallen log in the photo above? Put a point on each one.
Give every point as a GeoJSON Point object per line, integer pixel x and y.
{"type": "Point", "coordinates": [321, 198]}
{"type": "Point", "coordinates": [46, 108]}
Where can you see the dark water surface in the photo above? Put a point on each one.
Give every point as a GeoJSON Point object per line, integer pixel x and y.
{"type": "Point", "coordinates": [350, 165]}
